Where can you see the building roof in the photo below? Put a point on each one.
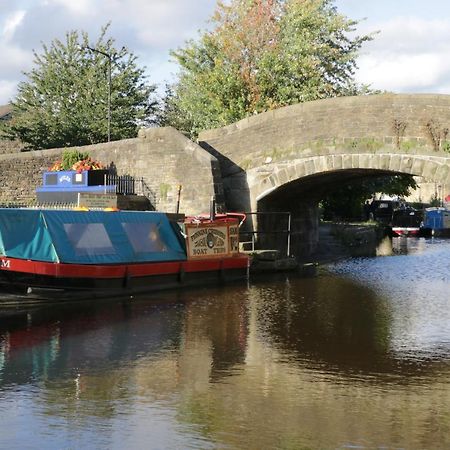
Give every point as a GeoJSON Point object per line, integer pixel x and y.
{"type": "Point", "coordinates": [5, 111]}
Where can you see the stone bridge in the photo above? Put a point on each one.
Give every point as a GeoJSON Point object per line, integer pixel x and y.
{"type": "Point", "coordinates": [287, 159]}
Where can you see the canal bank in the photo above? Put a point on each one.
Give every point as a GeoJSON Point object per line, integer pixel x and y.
{"type": "Point", "coordinates": [336, 241]}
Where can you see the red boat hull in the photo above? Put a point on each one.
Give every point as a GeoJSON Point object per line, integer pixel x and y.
{"type": "Point", "coordinates": [34, 280]}
{"type": "Point", "coordinates": [405, 231]}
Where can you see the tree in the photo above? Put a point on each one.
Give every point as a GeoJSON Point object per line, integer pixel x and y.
{"type": "Point", "coordinates": [65, 103]}
{"type": "Point", "coordinates": [261, 55]}
{"type": "Point", "coordinates": [346, 202]}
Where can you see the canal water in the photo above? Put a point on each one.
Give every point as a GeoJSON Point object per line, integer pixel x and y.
{"type": "Point", "coordinates": [356, 357]}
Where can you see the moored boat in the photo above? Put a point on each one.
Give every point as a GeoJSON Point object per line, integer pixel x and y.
{"type": "Point", "coordinates": [437, 221]}
{"type": "Point", "coordinates": [57, 255]}
{"type": "Point", "coordinates": [406, 222]}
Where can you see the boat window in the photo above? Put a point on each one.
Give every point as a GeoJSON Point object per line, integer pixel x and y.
{"type": "Point", "coordinates": [145, 237]}
{"type": "Point", "coordinates": [89, 239]}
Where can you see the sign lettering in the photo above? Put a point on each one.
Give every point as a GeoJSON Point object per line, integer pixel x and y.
{"type": "Point", "coordinates": [207, 240]}
{"type": "Point", "coordinates": [100, 201]}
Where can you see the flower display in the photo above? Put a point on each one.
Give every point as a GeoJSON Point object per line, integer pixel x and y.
{"type": "Point", "coordinates": [56, 166]}
{"type": "Point", "coordinates": [87, 164]}
{"type": "Point", "coordinates": [75, 160]}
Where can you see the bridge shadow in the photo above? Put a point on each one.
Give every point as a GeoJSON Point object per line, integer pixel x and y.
{"type": "Point", "coordinates": [235, 185]}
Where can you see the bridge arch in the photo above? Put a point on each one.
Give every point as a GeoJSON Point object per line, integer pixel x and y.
{"type": "Point", "coordinates": [275, 176]}
{"type": "Point", "coordinates": [299, 188]}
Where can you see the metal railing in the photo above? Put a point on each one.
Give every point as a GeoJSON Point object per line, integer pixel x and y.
{"type": "Point", "coordinates": [130, 185]}
{"type": "Point", "coordinates": [254, 233]}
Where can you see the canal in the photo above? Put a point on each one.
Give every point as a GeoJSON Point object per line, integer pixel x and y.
{"type": "Point", "coordinates": [356, 357]}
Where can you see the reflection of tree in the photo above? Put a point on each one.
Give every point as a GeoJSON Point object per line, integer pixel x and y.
{"type": "Point", "coordinates": [278, 365]}
{"type": "Point", "coordinates": [334, 319]}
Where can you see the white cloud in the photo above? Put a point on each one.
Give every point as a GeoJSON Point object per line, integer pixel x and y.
{"type": "Point", "coordinates": [409, 55]}
{"type": "Point", "coordinates": [149, 28]}
{"type": "Point", "coordinates": [11, 23]}
{"type": "Point", "coordinates": [14, 60]}
{"type": "Point", "coordinates": [163, 23]}
{"type": "Point", "coordinates": [403, 72]}
{"type": "Point", "coordinates": [79, 7]}
{"type": "Point", "coordinates": [7, 91]}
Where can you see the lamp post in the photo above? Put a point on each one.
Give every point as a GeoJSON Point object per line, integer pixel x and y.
{"type": "Point", "coordinates": [109, 56]}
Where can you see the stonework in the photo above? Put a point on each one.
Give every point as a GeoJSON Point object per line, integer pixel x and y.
{"type": "Point", "coordinates": [7, 147]}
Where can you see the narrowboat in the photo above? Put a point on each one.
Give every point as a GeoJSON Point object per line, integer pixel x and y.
{"type": "Point", "coordinates": [437, 222]}
{"type": "Point", "coordinates": [406, 222]}
{"type": "Point", "coordinates": [65, 254]}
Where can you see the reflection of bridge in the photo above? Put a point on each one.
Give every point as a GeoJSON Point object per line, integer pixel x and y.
{"type": "Point", "coordinates": [287, 159]}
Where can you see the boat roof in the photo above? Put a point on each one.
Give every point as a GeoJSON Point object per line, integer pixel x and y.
{"type": "Point", "coordinates": [89, 237]}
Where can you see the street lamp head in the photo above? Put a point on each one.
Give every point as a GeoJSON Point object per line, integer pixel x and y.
{"type": "Point", "coordinates": [94, 50]}
{"type": "Point", "coordinates": [101, 52]}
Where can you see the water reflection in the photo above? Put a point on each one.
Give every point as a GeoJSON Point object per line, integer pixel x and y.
{"type": "Point", "coordinates": [355, 357]}
{"type": "Point", "coordinates": [326, 319]}
{"type": "Point", "coordinates": [404, 245]}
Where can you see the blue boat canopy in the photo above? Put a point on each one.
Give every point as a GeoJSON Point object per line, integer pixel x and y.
{"type": "Point", "coordinates": [437, 218]}
{"type": "Point", "coordinates": [89, 237]}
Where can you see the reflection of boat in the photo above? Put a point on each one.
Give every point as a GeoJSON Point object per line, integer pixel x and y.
{"type": "Point", "coordinates": [47, 341]}
{"type": "Point", "coordinates": [406, 222]}
{"type": "Point", "coordinates": [437, 221]}
{"type": "Point", "coordinates": [60, 254]}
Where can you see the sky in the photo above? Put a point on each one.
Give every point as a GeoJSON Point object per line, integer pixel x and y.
{"type": "Point", "coordinates": [410, 52]}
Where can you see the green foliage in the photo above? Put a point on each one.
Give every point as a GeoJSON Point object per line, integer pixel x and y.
{"type": "Point", "coordinates": [367, 143]}
{"type": "Point", "coordinates": [436, 201]}
{"type": "Point", "coordinates": [164, 190]}
{"type": "Point", "coordinates": [261, 55]}
{"type": "Point", "coordinates": [64, 101]}
{"type": "Point", "coordinates": [446, 146]}
{"type": "Point", "coordinates": [70, 157]}
{"type": "Point", "coordinates": [346, 202]}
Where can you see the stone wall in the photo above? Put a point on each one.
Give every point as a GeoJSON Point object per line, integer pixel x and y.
{"type": "Point", "coordinates": [414, 124]}
{"type": "Point", "coordinates": [10, 146]}
{"type": "Point", "coordinates": [162, 156]}
{"type": "Point", "coordinates": [398, 133]}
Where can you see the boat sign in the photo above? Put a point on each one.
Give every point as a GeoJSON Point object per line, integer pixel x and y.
{"type": "Point", "coordinates": [5, 264]}
{"type": "Point", "coordinates": [205, 240]}
{"type": "Point", "coordinates": [97, 201]}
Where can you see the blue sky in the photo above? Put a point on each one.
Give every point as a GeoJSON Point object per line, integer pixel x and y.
{"type": "Point", "coordinates": [410, 54]}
